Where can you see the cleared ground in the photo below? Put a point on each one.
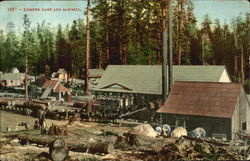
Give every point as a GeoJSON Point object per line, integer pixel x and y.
{"type": "Point", "coordinates": [13, 119]}
{"type": "Point", "coordinates": [83, 131]}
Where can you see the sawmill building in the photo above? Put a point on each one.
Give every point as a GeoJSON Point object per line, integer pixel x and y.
{"type": "Point", "coordinates": [222, 109]}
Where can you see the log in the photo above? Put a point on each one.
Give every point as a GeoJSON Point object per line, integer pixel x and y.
{"type": "Point", "coordinates": [58, 150]}
{"type": "Point", "coordinates": [45, 141]}
{"type": "Point", "coordinates": [93, 147]}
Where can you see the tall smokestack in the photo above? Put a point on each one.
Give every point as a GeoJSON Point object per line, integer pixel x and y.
{"type": "Point", "coordinates": [167, 56]}
{"type": "Point", "coordinates": [165, 87]}
{"type": "Point", "coordinates": [170, 44]}
{"type": "Point", "coordinates": [86, 89]}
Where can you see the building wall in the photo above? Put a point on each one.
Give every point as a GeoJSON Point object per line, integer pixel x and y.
{"type": "Point", "coordinates": [125, 99]}
{"type": "Point", "coordinates": [235, 125]}
{"type": "Point", "coordinates": [63, 77]}
{"type": "Point", "coordinates": [11, 83]}
{"type": "Point", "coordinates": [224, 77]}
{"type": "Point", "coordinates": [212, 125]}
{"type": "Point", "coordinates": [129, 102]}
{"type": "Point", "coordinates": [244, 111]}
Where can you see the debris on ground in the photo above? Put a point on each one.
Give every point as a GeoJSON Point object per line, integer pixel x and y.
{"type": "Point", "coordinates": [145, 130]}
{"type": "Point", "coordinates": [178, 132]}
{"type": "Point", "coordinates": [188, 148]}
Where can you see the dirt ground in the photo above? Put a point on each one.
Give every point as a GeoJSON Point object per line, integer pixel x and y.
{"type": "Point", "coordinates": [149, 149]}
{"type": "Point", "coordinates": [82, 131]}
{"type": "Point", "coordinates": [13, 119]}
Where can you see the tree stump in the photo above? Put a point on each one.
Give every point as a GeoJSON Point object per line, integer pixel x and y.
{"type": "Point", "coordinates": [58, 130]}
{"type": "Point", "coordinates": [131, 139]}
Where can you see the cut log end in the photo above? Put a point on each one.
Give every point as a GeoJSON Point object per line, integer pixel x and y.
{"type": "Point", "coordinates": [58, 154]}
{"type": "Point", "coordinates": [58, 150]}
{"type": "Point", "coordinates": [109, 148]}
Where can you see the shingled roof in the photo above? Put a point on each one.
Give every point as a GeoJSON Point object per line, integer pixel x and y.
{"type": "Point", "coordinates": [148, 78]}
{"type": "Point", "coordinates": [61, 89]}
{"type": "Point", "coordinates": [56, 86]}
{"type": "Point", "coordinates": [202, 99]}
{"type": "Point", "coordinates": [50, 84]}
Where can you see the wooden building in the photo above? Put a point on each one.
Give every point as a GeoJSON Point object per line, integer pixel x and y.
{"type": "Point", "coordinates": [94, 77]}
{"type": "Point", "coordinates": [95, 73]}
{"type": "Point", "coordinates": [12, 79]}
{"type": "Point", "coordinates": [60, 75]}
{"type": "Point", "coordinates": [222, 109]}
{"type": "Point", "coordinates": [56, 89]}
{"type": "Point", "coordinates": [137, 85]}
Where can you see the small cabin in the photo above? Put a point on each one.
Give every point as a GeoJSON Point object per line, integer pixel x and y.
{"type": "Point", "coordinates": [55, 89]}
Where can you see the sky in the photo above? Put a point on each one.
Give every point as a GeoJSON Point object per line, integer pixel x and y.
{"type": "Point", "coordinates": [224, 10]}
{"type": "Point", "coordinates": [48, 11]}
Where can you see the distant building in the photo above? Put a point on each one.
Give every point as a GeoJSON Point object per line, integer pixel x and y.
{"type": "Point", "coordinates": [60, 75]}
{"type": "Point", "coordinates": [12, 79]}
{"type": "Point", "coordinates": [14, 70]}
{"type": "Point", "coordinates": [95, 73]}
{"type": "Point", "coordinates": [94, 77]}
{"type": "Point", "coordinates": [135, 85]}
{"type": "Point", "coordinates": [56, 89]}
{"type": "Point", "coordinates": [221, 109]}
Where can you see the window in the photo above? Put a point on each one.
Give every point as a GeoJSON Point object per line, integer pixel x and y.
{"type": "Point", "coordinates": [180, 122]}
{"type": "Point", "coordinates": [243, 126]}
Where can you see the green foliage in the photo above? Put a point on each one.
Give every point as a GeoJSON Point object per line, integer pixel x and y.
{"type": "Point", "coordinates": [141, 55]}
{"type": "Point", "coordinates": [126, 32]}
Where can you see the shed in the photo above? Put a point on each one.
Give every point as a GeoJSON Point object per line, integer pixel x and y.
{"type": "Point", "coordinates": [54, 88]}
{"type": "Point", "coordinates": [220, 108]}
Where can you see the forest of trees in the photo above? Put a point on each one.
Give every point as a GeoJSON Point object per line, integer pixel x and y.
{"type": "Point", "coordinates": [128, 32]}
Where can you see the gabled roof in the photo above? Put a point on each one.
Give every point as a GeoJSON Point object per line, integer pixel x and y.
{"type": "Point", "coordinates": [61, 89]}
{"type": "Point", "coordinates": [148, 78]}
{"type": "Point", "coordinates": [50, 84]}
{"type": "Point", "coordinates": [55, 85]}
{"type": "Point", "coordinates": [62, 71]}
{"type": "Point", "coordinates": [14, 70]}
{"type": "Point", "coordinates": [212, 99]}
{"type": "Point", "coordinates": [12, 76]}
{"type": "Point", "coordinates": [95, 73]}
